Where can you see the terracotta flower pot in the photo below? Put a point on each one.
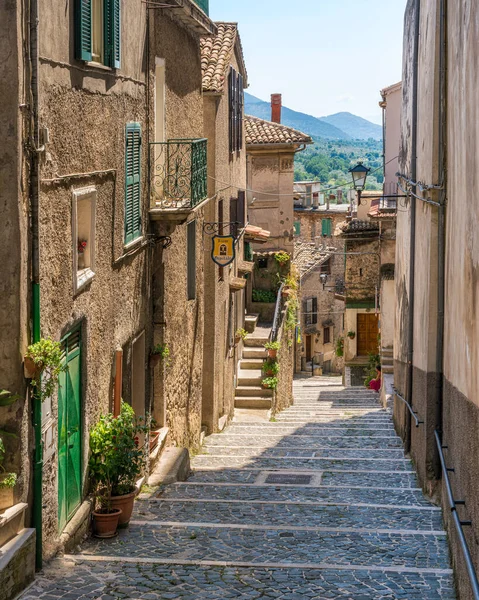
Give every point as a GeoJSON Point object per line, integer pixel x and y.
{"type": "Point", "coordinates": [125, 504]}
{"type": "Point", "coordinates": [238, 339]}
{"type": "Point", "coordinates": [106, 524]}
{"type": "Point", "coordinates": [154, 437]}
{"type": "Point", "coordinates": [272, 353]}
{"type": "Point", "coordinates": [154, 359]}
{"type": "Point", "coordinates": [30, 368]}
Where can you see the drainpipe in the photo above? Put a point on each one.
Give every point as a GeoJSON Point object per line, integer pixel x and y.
{"type": "Point", "coordinates": [441, 224]}
{"type": "Point", "coordinates": [35, 258]}
{"type": "Point", "coordinates": [412, 266]}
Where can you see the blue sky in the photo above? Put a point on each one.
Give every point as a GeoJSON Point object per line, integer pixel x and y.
{"type": "Point", "coordinates": [324, 56]}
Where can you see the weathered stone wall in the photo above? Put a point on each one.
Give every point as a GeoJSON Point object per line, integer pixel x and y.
{"type": "Point", "coordinates": [283, 397]}
{"type": "Point", "coordinates": [311, 228]}
{"type": "Point", "coordinates": [362, 268]}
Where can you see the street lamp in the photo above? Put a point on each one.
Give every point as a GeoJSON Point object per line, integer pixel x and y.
{"type": "Point", "coordinates": [359, 174]}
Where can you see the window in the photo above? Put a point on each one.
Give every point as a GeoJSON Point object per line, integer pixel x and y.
{"type": "Point", "coordinates": [326, 267]}
{"type": "Point", "coordinates": [236, 101]}
{"type": "Point", "coordinates": [309, 195]}
{"type": "Point", "coordinates": [297, 228]}
{"type": "Point", "coordinates": [326, 227]}
{"type": "Point", "coordinates": [191, 259]}
{"type": "Point", "coordinates": [263, 262]}
{"type": "Point", "coordinates": [132, 182]}
{"type": "Point", "coordinates": [83, 236]}
{"type": "Point", "coordinates": [327, 335]}
{"type": "Point", "coordinates": [311, 311]}
{"type": "Point", "coordinates": [98, 31]}
{"type": "Point", "coordinates": [237, 211]}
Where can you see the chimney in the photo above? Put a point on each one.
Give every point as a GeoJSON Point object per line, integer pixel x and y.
{"type": "Point", "coordinates": [276, 108]}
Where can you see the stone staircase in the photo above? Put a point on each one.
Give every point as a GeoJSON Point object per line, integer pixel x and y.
{"type": "Point", "coordinates": [249, 393]}
{"type": "Point", "coordinates": [387, 360]}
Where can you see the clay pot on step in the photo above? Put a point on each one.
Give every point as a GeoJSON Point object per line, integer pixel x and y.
{"type": "Point", "coordinates": [272, 353]}
{"type": "Point", "coordinates": [106, 524]}
{"type": "Point", "coordinates": [125, 504]}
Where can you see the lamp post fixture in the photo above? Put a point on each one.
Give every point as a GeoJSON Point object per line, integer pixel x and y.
{"type": "Point", "coordinates": [359, 174]}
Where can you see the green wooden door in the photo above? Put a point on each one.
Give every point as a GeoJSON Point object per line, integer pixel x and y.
{"type": "Point", "coordinates": [69, 430]}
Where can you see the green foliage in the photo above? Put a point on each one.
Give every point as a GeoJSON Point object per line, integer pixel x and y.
{"type": "Point", "coordinates": [270, 382]}
{"type": "Point", "coordinates": [47, 356]}
{"type": "Point", "coordinates": [271, 367]}
{"type": "Point", "coordinates": [373, 360]}
{"type": "Point", "coordinates": [7, 480]}
{"type": "Point", "coordinates": [116, 461]}
{"type": "Point", "coordinates": [351, 335]}
{"type": "Point", "coordinates": [241, 333]}
{"type": "Point", "coordinates": [163, 351]}
{"type": "Point", "coordinates": [264, 296]}
{"type": "Point", "coordinates": [340, 346]}
{"type": "Point", "coordinates": [7, 398]}
{"type": "Point", "coordinates": [282, 258]}
{"type": "Point", "coordinates": [329, 162]}
{"type": "Point", "coordinates": [272, 345]}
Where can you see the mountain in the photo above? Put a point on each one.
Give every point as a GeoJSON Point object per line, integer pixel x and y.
{"type": "Point", "coordinates": [305, 123]}
{"type": "Point", "coordinates": [341, 126]}
{"type": "Point", "coordinates": [357, 127]}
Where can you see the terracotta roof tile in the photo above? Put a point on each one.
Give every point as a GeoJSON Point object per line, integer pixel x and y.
{"type": "Point", "coordinates": [216, 55]}
{"type": "Point", "coordinates": [259, 131]}
{"type": "Point", "coordinates": [307, 257]}
{"type": "Point", "coordinates": [357, 225]}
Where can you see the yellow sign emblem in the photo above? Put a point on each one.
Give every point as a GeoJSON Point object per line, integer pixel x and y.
{"type": "Point", "coordinates": [223, 252]}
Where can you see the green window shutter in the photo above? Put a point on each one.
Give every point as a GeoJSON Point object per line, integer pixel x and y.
{"type": "Point", "coordinates": [132, 182]}
{"type": "Point", "coordinates": [112, 35]}
{"type": "Point", "coordinates": [326, 227]}
{"type": "Point", "coordinates": [297, 228]}
{"type": "Point", "coordinates": [83, 25]}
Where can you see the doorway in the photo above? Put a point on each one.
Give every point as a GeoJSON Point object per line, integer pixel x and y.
{"type": "Point", "coordinates": [368, 329]}
{"type": "Point", "coordinates": [309, 351]}
{"type": "Point", "coordinates": [69, 429]}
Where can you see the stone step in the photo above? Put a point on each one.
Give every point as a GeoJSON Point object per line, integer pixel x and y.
{"type": "Point", "coordinates": [253, 390]}
{"type": "Point", "coordinates": [301, 452]}
{"type": "Point", "coordinates": [251, 363]}
{"type": "Point", "coordinates": [250, 377]}
{"type": "Point", "coordinates": [388, 370]}
{"type": "Point", "coordinates": [254, 402]}
{"type": "Point", "coordinates": [252, 352]}
{"type": "Point", "coordinates": [268, 512]}
{"type": "Point", "coordinates": [316, 464]}
{"type": "Point", "coordinates": [250, 322]}
{"type": "Point", "coordinates": [256, 341]}
{"type": "Point", "coordinates": [306, 440]}
{"type": "Point", "coordinates": [255, 544]}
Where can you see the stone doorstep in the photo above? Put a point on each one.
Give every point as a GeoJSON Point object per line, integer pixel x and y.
{"type": "Point", "coordinates": [250, 322]}
{"type": "Point", "coordinates": [157, 450]}
{"type": "Point", "coordinates": [174, 465]}
{"type": "Point", "coordinates": [17, 564]}
{"type": "Point", "coordinates": [12, 521]}
{"type": "Point", "coordinates": [253, 402]}
{"type": "Point", "coordinates": [253, 390]}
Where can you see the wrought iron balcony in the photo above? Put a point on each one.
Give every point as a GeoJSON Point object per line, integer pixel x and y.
{"type": "Point", "coordinates": [204, 5]}
{"type": "Point", "coordinates": [179, 173]}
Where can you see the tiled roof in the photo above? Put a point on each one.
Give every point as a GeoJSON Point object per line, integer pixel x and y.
{"type": "Point", "coordinates": [356, 225]}
{"type": "Point", "coordinates": [259, 131]}
{"type": "Point", "coordinates": [378, 212]}
{"type": "Point", "coordinates": [256, 234]}
{"type": "Point", "coordinates": [216, 55]}
{"type": "Point", "coordinates": [307, 257]}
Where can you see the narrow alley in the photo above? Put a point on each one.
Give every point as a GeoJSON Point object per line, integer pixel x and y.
{"type": "Point", "coordinates": [318, 503]}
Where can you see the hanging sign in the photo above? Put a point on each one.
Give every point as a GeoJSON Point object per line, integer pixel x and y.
{"type": "Point", "coordinates": [223, 252]}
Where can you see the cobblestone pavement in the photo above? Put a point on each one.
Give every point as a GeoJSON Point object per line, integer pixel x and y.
{"type": "Point", "coordinates": [351, 524]}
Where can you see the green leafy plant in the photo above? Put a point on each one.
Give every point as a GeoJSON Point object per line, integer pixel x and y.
{"type": "Point", "coordinates": [241, 333]}
{"type": "Point", "coordinates": [116, 460]}
{"type": "Point", "coordinates": [272, 345]}
{"type": "Point", "coordinates": [270, 382]}
{"type": "Point", "coordinates": [163, 351]}
{"type": "Point", "coordinates": [373, 360]}
{"type": "Point", "coordinates": [7, 480]}
{"type": "Point", "coordinates": [351, 335]}
{"type": "Point", "coordinates": [7, 398]}
{"type": "Point", "coordinates": [46, 356]}
{"type": "Point", "coordinates": [340, 346]}
{"type": "Point", "coordinates": [264, 296]}
{"type": "Point", "coordinates": [271, 367]}
{"type": "Point", "coordinates": [282, 257]}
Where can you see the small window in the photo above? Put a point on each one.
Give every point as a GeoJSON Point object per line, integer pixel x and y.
{"type": "Point", "coordinates": [309, 195]}
{"type": "Point", "coordinates": [83, 236]}
{"type": "Point", "coordinates": [263, 262]}
{"type": "Point", "coordinates": [98, 32]}
{"type": "Point", "coordinates": [311, 311]}
{"type": "Point", "coordinates": [236, 102]}
{"type": "Point", "coordinates": [133, 229]}
{"type": "Point", "coordinates": [326, 227]}
{"type": "Point", "coordinates": [327, 335]}
{"type": "Point", "coordinates": [191, 259]}
{"type": "Point", "coordinates": [326, 267]}
{"type": "Point", "coordinates": [297, 228]}
{"type": "Point", "coordinates": [360, 272]}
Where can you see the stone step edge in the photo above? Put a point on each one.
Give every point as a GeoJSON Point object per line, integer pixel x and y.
{"type": "Point", "coordinates": [256, 527]}
{"type": "Point", "coordinates": [244, 564]}
{"type": "Point", "coordinates": [225, 456]}
{"type": "Point", "coordinates": [298, 470]}
{"type": "Point", "coordinates": [254, 486]}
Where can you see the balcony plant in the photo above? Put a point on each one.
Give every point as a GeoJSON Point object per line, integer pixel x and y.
{"type": "Point", "coordinates": [266, 296]}
{"type": "Point", "coordinates": [241, 334]}
{"type": "Point", "coordinates": [116, 463]}
{"type": "Point", "coordinates": [272, 348]}
{"type": "Point", "coordinates": [161, 352]}
{"type": "Point", "coordinates": [43, 365]}
{"type": "Point", "coordinates": [270, 383]}
{"type": "Point", "coordinates": [282, 258]}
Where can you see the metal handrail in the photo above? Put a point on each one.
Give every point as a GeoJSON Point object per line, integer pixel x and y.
{"type": "Point", "coordinates": [457, 521]}
{"type": "Point", "coordinates": [277, 314]}
{"type": "Point", "coordinates": [413, 413]}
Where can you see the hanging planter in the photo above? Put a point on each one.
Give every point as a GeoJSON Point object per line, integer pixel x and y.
{"type": "Point", "coordinates": [351, 335]}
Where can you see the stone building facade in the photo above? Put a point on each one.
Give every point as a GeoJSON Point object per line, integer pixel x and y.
{"type": "Point", "coordinates": [437, 238]}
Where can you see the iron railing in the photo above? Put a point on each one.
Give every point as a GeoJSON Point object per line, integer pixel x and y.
{"type": "Point", "coordinates": [179, 172]}
{"type": "Point", "coordinates": [457, 521]}
{"type": "Point", "coordinates": [204, 5]}
{"type": "Point", "coordinates": [277, 314]}
{"type": "Point", "coordinates": [413, 413]}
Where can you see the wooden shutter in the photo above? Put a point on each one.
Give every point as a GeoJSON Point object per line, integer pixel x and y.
{"type": "Point", "coordinates": [326, 227]}
{"type": "Point", "coordinates": [83, 24]}
{"type": "Point", "coordinates": [233, 210]}
{"type": "Point", "coordinates": [314, 316]}
{"type": "Point", "coordinates": [132, 182]}
{"type": "Point", "coordinates": [297, 228]}
{"type": "Point", "coordinates": [191, 259]}
{"type": "Point", "coordinates": [239, 112]}
{"type": "Point", "coordinates": [327, 335]}
{"type": "Point", "coordinates": [241, 214]}
{"type": "Point", "coordinates": [112, 33]}
{"type": "Point", "coordinates": [231, 99]}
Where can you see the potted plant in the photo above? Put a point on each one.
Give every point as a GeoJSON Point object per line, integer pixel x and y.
{"type": "Point", "coordinates": [282, 258]}
{"type": "Point", "coordinates": [270, 367]}
{"type": "Point", "coordinates": [160, 352]}
{"type": "Point", "coordinates": [340, 347]}
{"type": "Point", "coordinates": [43, 365]}
{"type": "Point", "coordinates": [7, 482]}
{"type": "Point", "coordinates": [272, 348]}
{"type": "Point", "coordinates": [240, 334]}
{"type": "Point", "coordinates": [270, 383]}
{"type": "Point", "coordinates": [351, 335]}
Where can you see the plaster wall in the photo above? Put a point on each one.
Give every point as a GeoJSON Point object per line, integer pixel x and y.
{"type": "Point", "coordinates": [392, 137]}
{"type": "Point", "coordinates": [388, 309]}
{"type": "Point", "coordinates": [362, 268]}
